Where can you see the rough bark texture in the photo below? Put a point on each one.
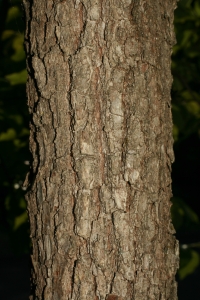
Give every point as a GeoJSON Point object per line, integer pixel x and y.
{"type": "Point", "coordinates": [101, 138]}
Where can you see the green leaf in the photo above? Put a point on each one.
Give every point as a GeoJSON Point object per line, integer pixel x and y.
{"type": "Point", "coordinates": [190, 263]}
{"type": "Point", "coordinates": [17, 78]}
{"type": "Point", "coordinates": [175, 132]}
{"type": "Point", "coordinates": [18, 48]}
{"type": "Point", "coordinates": [10, 134]}
{"type": "Point", "coordinates": [194, 108]}
{"type": "Point", "coordinates": [19, 220]}
{"type": "Point", "coordinates": [13, 13]}
{"type": "Point", "coordinates": [197, 8]}
{"type": "Point", "coordinates": [182, 214]}
{"type": "Point", "coordinates": [7, 34]}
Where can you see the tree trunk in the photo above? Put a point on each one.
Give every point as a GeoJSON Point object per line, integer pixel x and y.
{"type": "Point", "coordinates": [101, 139]}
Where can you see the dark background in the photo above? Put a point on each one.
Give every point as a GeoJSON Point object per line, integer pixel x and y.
{"type": "Point", "coordinates": [15, 157]}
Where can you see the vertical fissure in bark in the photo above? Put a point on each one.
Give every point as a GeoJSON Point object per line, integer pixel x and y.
{"type": "Point", "coordinates": [73, 278]}
{"type": "Point", "coordinates": [71, 114]}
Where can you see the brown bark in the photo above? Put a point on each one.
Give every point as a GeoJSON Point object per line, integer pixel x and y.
{"type": "Point", "coordinates": [101, 138]}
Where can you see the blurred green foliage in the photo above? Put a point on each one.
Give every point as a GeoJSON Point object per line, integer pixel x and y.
{"type": "Point", "coordinates": [186, 70]}
{"type": "Point", "coordinates": [15, 157]}
{"type": "Point", "coordinates": [186, 131]}
{"type": "Point", "coordinates": [188, 263]}
{"type": "Point", "coordinates": [14, 154]}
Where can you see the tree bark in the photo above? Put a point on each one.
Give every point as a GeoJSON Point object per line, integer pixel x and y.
{"type": "Point", "coordinates": [101, 139]}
